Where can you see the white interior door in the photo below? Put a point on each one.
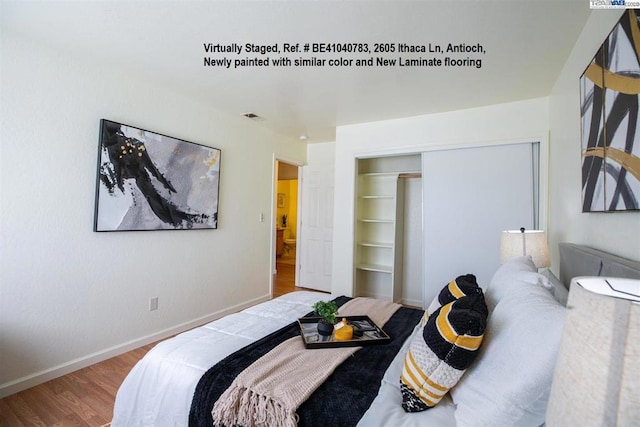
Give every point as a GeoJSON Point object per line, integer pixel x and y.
{"type": "Point", "coordinates": [469, 196]}
{"type": "Point", "coordinates": [316, 227]}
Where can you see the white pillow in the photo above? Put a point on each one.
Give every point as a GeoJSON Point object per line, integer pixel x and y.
{"type": "Point", "coordinates": [509, 383]}
{"type": "Point", "coordinates": [511, 276]}
{"type": "Point", "coordinates": [506, 271]}
{"type": "Point", "coordinates": [519, 279]}
{"type": "Point", "coordinates": [522, 263]}
{"type": "Point", "coordinates": [559, 290]}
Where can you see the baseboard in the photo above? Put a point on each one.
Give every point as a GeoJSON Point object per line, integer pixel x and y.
{"type": "Point", "coordinates": [40, 377]}
{"type": "Point", "coordinates": [368, 294]}
{"type": "Point", "coordinates": [411, 302]}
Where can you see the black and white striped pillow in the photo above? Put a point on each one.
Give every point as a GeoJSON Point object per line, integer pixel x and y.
{"type": "Point", "coordinates": [457, 288]}
{"type": "Point", "coordinates": [445, 348]}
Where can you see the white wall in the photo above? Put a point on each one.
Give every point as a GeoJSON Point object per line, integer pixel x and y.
{"type": "Point", "coordinates": [69, 296]}
{"type": "Point", "coordinates": [322, 153]}
{"type": "Point", "coordinates": [618, 232]}
{"type": "Point", "coordinates": [512, 122]}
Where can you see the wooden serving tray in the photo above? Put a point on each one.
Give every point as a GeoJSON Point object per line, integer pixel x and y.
{"type": "Point", "coordinates": [365, 332]}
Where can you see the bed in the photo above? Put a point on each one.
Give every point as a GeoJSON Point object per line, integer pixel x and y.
{"type": "Point", "coordinates": [508, 383]}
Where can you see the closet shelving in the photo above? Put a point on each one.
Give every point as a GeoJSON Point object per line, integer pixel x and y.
{"type": "Point", "coordinates": [378, 240]}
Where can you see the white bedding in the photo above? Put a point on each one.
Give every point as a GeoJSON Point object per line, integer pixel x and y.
{"type": "Point", "coordinates": [498, 389]}
{"type": "Point", "coordinates": [159, 389]}
{"type": "Point", "coordinates": [386, 409]}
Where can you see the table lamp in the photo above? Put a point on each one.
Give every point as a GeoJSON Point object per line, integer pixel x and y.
{"type": "Point", "coordinates": [596, 380]}
{"type": "Point", "coordinates": [515, 243]}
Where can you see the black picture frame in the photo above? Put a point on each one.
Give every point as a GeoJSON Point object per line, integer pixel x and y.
{"type": "Point", "coordinates": [150, 181]}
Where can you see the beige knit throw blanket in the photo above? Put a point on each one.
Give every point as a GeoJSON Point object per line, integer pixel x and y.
{"type": "Point", "coordinates": [271, 389]}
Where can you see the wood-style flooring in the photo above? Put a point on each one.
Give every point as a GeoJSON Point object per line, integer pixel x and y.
{"type": "Point", "coordinates": [86, 397]}
{"type": "Point", "coordinates": [284, 279]}
{"type": "Point", "coordinates": [81, 398]}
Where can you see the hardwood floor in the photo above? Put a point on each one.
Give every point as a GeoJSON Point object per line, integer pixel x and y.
{"type": "Point", "coordinates": [81, 398]}
{"type": "Point", "coordinates": [284, 280]}
{"type": "Point", "coordinates": [86, 397]}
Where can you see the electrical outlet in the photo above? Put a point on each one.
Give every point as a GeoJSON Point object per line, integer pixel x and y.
{"type": "Point", "coordinates": [261, 217]}
{"type": "Point", "coordinates": [153, 304]}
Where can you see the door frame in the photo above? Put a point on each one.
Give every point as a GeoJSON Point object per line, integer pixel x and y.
{"type": "Point", "coordinates": [274, 211]}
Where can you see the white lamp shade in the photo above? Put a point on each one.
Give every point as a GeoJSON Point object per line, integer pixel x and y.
{"type": "Point", "coordinates": [516, 243]}
{"type": "Point", "coordinates": [597, 376]}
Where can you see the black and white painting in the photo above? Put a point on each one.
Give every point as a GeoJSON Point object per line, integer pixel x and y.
{"type": "Point", "coordinates": [149, 181]}
{"type": "Point", "coordinates": [610, 100]}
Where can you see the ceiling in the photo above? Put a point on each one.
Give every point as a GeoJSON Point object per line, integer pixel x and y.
{"type": "Point", "coordinates": [526, 43]}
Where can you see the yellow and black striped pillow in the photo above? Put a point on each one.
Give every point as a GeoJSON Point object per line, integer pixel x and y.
{"type": "Point", "coordinates": [445, 348]}
{"type": "Point", "coordinates": [457, 288]}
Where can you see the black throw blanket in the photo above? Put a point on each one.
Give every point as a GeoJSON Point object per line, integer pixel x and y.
{"type": "Point", "coordinates": [343, 398]}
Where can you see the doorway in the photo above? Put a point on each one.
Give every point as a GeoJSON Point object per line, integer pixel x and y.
{"type": "Point", "coordinates": [285, 227]}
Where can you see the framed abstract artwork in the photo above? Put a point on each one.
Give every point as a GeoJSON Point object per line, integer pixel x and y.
{"type": "Point", "coordinates": [610, 98]}
{"type": "Point", "coordinates": [149, 181]}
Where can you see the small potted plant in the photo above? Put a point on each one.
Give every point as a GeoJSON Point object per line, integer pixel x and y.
{"type": "Point", "coordinates": [327, 310]}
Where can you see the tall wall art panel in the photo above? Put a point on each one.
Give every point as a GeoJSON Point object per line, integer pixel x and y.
{"type": "Point", "coordinates": [609, 92]}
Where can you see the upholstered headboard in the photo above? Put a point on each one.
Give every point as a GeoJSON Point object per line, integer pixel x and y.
{"type": "Point", "coordinates": [578, 260]}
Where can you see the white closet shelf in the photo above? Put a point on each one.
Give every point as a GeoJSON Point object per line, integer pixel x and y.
{"type": "Point", "coordinates": [375, 267]}
{"type": "Point", "coordinates": [380, 174]}
{"type": "Point", "coordinates": [416, 173]}
{"type": "Point", "coordinates": [377, 196]}
{"type": "Point", "coordinates": [379, 214]}
{"type": "Point", "coordinates": [377, 244]}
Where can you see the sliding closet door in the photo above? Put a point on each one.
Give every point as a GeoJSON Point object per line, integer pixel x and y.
{"type": "Point", "coordinates": [469, 196]}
